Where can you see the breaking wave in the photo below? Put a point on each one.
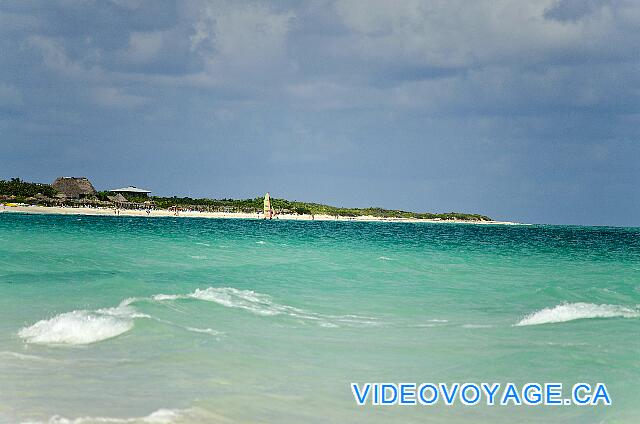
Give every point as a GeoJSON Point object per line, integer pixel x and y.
{"type": "Point", "coordinates": [262, 304]}
{"type": "Point", "coordinates": [573, 311]}
{"type": "Point", "coordinates": [257, 303]}
{"type": "Point", "coordinates": [161, 416]}
{"type": "Point", "coordinates": [82, 326]}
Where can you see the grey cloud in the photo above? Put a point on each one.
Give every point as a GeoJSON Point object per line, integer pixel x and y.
{"type": "Point", "coordinates": [573, 10]}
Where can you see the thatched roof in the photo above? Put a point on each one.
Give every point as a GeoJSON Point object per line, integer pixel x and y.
{"type": "Point", "coordinates": [74, 187]}
{"type": "Point", "coordinates": [118, 198]}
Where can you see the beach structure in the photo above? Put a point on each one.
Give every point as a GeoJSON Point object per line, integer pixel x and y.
{"type": "Point", "coordinates": [118, 198]}
{"type": "Point", "coordinates": [268, 212]}
{"type": "Point", "coordinates": [74, 187]}
{"type": "Point", "coordinates": [131, 191]}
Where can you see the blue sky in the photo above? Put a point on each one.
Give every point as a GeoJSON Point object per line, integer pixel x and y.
{"type": "Point", "coordinates": [526, 111]}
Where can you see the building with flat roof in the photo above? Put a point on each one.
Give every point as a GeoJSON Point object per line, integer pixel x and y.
{"type": "Point", "coordinates": [131, 191]}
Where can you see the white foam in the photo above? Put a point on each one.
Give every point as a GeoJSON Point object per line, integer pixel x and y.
{"type": "Point", "coordinates": [384, 258]}
{"type": "Point", "coordinates": [230, 297]}
{"type": "Point", "coordinates": [261, 242]}
{"type": "Point", "coordinates": [573, 311]}
{"type": "Point", "coordinates": [22, 356]}
{"type": "Point", "coordinates": [205, 331]}
{"type": "Point", "coordinates": [262, 304]}
{"type": "Point", "coordinates": [354, 320]}
{"type": "Point", "coordinates": [161, 297]}
{"type": "Point", "coordinates": [82, 326]}
{"type": "Point", "coordinates": [161, 416]}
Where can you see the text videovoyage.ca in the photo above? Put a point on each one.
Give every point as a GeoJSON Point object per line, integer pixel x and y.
{"type": "Point", "coordinates": [469, 394]}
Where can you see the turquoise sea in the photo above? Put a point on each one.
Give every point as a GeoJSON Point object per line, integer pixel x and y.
{"type": "Point", "coordinates": [186, 320]}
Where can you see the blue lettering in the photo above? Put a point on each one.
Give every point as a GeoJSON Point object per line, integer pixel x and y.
{"type": "Point", "coordinates": [601, 393]}
{"type": "Point", "coordinates": [423, 400]}
{"type": "Point", "coordinates": [510, 393]}
{"type": "Point", "coordinates": [532, 394]}
{"type": "Point", "coordinates": [449, 396]}
{"type": "Point", "coordinates": [553, 396]}
{"type": "Point", "coordinates": [490, 391]}
{"type": "Point", "coordinates": [360, 398]}
{"type": "Point", "coordinates": [463, 394]}
{"type": "Point", "coordinates": [407, 394]}
{"type": "Point", "coordinates": [581, 400]}
{"type": "Point", "coordinates": [385, 390]}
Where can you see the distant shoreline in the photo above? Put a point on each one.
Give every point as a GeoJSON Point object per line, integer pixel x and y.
{"type": "Point", "coordinates": [56, 210]}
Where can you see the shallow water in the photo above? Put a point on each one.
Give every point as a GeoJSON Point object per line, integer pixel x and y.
{"type": "Point", "coordinates": [124, 319]}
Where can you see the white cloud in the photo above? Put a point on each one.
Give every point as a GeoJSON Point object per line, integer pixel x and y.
{"type": "Point", "coordinates": [143, 47]}
{"type": "Point", "coordinates": [240, 39]}
{"type": "Point", "coordinates": [457, 33]}
{"type": "Point", "coordinates": [117, 98]}
{"type": "Point", "coordinates": [435, 56]}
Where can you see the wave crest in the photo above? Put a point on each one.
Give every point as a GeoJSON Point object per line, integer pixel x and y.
{"type": "Point", "coordinates": [82, 326]}
{"type": "Point", "coordinates": [262, 304]}
{"type": "Point", "coordinates": [573, 311]}
{"type": "Point", "coordinates": [258, 303]}
{"type": "Point", "coordinates": [161, 416]}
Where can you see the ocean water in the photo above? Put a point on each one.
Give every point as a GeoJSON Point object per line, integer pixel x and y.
{"type": "Point", "coordinates": [161, 320]}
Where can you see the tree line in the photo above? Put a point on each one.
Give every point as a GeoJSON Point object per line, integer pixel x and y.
{"type": "Point", "coordinates": [22, 190]}
{"type": "Point", "coordinates": [17, 187]}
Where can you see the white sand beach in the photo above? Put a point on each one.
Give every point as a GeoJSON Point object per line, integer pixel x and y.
{"type": "Point", "coordinates": [219, 215]}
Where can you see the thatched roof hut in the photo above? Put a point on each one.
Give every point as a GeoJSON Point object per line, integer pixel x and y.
{"type": "Point", "coordinates": [118, 198]}
{"type": "Point", "coordinates": [74, 187]}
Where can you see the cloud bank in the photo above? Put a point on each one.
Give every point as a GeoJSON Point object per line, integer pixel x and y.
{"type": "Point", "coordinates": [518, 110]}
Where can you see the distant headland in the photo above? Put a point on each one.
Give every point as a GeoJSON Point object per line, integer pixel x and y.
{"type": "Point", "coordinates": [77, 195]}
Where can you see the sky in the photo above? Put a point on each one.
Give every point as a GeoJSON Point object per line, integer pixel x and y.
{"type": "Point", "coordinates": [525, 111]}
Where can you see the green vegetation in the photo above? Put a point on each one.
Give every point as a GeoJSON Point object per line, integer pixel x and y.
{"type": "Point", "coordinates": [247, 205]}
{"type": "Point", "coordinates": [22, 189]}
{"type": "Point", "coordinates": [284, 205]}
{"type": "Point", "coordinates": [102, 195]}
